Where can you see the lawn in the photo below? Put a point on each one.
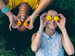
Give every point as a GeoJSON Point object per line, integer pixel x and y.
{"type": "Point", "coordinates": [17, 43]}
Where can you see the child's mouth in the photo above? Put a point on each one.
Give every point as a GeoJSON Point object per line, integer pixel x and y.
{"type": "Point", "coordinates": [52, 24]}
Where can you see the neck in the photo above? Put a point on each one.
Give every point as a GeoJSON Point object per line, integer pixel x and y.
{"type": "Point", "coordinates": [50, 32]}
{"type": "Point", "coordinates": [24, 8]}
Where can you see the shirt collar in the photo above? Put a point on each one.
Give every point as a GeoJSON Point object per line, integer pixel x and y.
{"type": "Point", "coordinates": [52, 37]}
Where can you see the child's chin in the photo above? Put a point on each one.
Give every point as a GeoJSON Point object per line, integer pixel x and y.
{"type": "Point", "coordinates": [52, 28]}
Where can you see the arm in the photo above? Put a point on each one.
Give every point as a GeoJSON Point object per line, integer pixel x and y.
{"type": "Point", "coordinates": [12, 17]}
{"type": "Point", "coordinates": [67, 44]}
{"type": "Point", "coordinates": [41, 7]}
{"type": "Point", "coordinates": [2, 5]}
{"type": "Point", "coordinates": [36, 39]}
{"type": "Point", "coordinates": [44, 4]}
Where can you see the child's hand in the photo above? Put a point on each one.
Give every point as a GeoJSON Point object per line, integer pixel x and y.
{"type": "Point", "coordinates": [62, 21]}
{"type": "Point", "coordinates": [43, 20]}
{"type": "Point", "coordinates": [12, 19]}
{"type": "Point", "coordinates": [30, 19]}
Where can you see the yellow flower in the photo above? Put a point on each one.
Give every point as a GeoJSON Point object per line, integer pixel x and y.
{"type": "Point", "coordinates": [19, 23]}
{"type": "Point", "coordinates": [25, 24]}
{"type": "Point", "coordinates": [56, 18]}
{"type": "Point", "coordinates": [48, 17]}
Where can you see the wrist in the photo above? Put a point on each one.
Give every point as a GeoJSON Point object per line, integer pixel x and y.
{"type": "Point", "coordinates": [63, 30]}
{"type": "Point", "coordinates": [8, 13]}
{"type": "Point", "coordinates": [34, 15]}
{"type": "Point", "coordinates": [37, 12]}
{"type": "Point", "coordinates": [33, 19]}
{"type": "Point", "coordinates": [41, 26]}
{"type": "Point", "coordinates": [41, 29]}
{"type": "Point", "coordinates": [40, 32]}
{"type": "Point", "coordinates": [5, 9]}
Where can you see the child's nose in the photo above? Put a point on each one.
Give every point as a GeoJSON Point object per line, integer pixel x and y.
{"type": "Point", "coordinates": [52, 19]}
{"type": "Point", "coordinates": [22, 19]}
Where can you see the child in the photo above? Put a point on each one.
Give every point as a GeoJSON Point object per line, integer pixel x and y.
{"type": "Point", "coordinates": [50, 42]}
{"type": "Point", "coordinates": [24, 6]}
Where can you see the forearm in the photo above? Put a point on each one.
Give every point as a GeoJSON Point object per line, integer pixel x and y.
{"type": "Point", "coordinates": [2, 5]}
{"type": "Point", "coordinates": [67, 42]}
{"type": "Point", "coordinates": [44, 4]}
{"type": "Point", "coordinates": [37, 40]}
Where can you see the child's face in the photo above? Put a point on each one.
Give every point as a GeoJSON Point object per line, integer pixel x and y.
{"type": "Point", "coordinates": [22, 17]}
{"type": "Point", "coordinates": [51, 23]}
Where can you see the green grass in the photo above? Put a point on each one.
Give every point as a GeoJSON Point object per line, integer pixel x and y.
{"type": "Point", "coordinates": [18, 44]}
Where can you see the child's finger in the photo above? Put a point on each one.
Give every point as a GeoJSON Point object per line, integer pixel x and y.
{"type": "Point", "coordinates": [46, 21]}
{"type": "Point", "coordinates": [10, 27]}
{"type": "Point", "coordinates": [59, 15]}
{"type": "Point", "coordinates": [59, 19]}
{"type": "Point", "coordinates": [15, 26]}
{"type": "Point", "coordinates": [43, 15]}
{"type": "Point", "coordinates": [44, 18]}
{"type": "Point", "coordinates": [18, 19]}
{"type": "Point", "coordinates": [57, 22]}
{"type": "Point", "coordinates": [31, 27]}
{"type": "Point", "coordinates": [27, 27]}
{"type": "Point", "coordinates": [62, 15]}
{"type": "Point", "coordinates": [27, 19]}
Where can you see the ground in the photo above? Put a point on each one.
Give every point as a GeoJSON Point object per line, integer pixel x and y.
{"type": "Point", "coordinates": [17, 43]}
